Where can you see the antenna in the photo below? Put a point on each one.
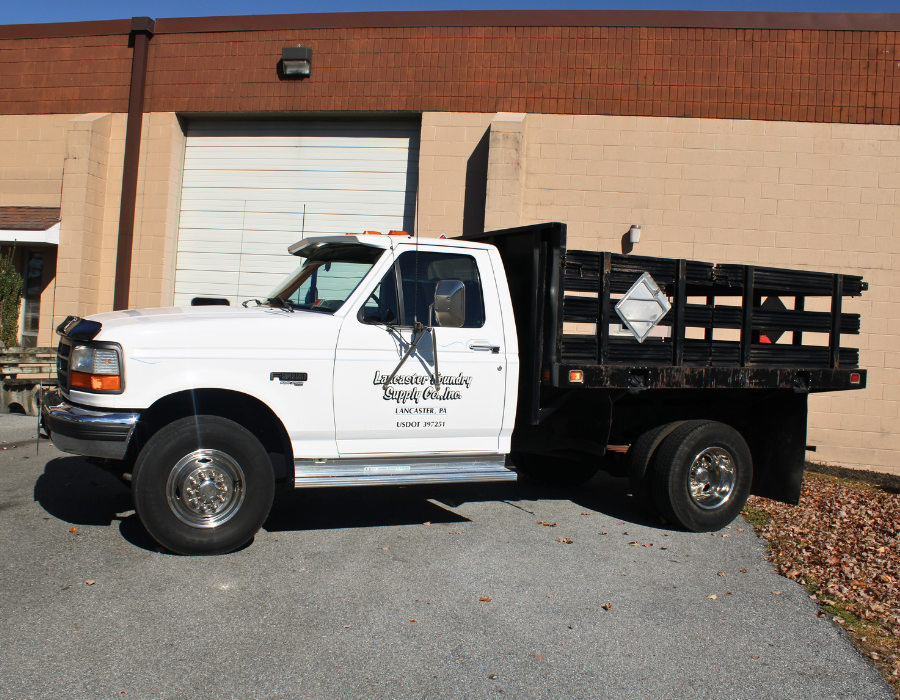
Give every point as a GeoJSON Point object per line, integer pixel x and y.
{"type": "Point", "coordinates": [303, 225]}
{"type": "Point", "coordinates": [416, 291]}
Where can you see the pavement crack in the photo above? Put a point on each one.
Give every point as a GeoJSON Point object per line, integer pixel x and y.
{"type": "Point", "coordinates": [530, 512]}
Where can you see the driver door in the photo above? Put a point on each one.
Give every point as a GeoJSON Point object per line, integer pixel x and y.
{"type": "Point", "coordinates": [463, 412]}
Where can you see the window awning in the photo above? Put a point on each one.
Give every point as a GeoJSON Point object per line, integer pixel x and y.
{"type": "Point", "coordinates": [29, 225]}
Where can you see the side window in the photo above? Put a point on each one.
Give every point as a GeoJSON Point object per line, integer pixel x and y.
{"type": "Point", "coordinates": [382, 305]}
{"type": "Point", "coordinates": [430, 269]}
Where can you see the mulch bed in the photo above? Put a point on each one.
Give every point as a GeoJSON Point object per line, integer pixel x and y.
{"type": "Point", "coordinates": [843, 543]}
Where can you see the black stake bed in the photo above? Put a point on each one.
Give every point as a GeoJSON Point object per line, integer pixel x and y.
{"type": "Point", "coordinates": [551, 285]}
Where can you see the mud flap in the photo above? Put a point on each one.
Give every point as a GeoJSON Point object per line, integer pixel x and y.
{"type": "Point", "coordinates": [777, 438]}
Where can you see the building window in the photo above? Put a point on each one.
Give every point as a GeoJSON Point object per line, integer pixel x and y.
{"type": "Point", "coordinates": [33, 276]}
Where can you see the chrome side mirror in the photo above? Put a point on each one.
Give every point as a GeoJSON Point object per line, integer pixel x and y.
{"type": "Point", "coordinates": [450, 303]}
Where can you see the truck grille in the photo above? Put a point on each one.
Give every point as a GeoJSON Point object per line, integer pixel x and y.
{"type": "Point", "coordinates": [62, 363]}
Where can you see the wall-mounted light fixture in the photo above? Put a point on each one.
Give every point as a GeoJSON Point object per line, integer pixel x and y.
{"type": "Point", "coordinates": [296, 61]}
{"type": "Point", "coordinates": [634, 233]}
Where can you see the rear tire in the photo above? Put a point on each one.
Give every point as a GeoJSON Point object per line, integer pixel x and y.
{"type": "Point", "coordinates": [555, 471]}
{"type": "Point", "coordinates": [640, 456]}
{"type": "Point", "coordinates": [203, 485]}
{"type": "Point", "coordinates": [702, 475]}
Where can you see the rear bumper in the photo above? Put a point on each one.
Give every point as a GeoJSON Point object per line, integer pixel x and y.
{"type": "Point", "coordinates": [89, 431]}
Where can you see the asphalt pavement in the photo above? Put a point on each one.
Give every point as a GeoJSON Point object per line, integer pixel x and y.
{"type": "Point", "coordinates": [464, 591]}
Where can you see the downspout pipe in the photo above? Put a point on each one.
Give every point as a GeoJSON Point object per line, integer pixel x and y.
{"type": "Point", "coordinates": [142, 29]}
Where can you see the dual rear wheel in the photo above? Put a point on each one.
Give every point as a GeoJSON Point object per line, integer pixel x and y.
{"type": "Point", "coordinates": [694, 473]}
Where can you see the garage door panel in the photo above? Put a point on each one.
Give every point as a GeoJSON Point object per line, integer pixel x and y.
{"type": "Point", "coordinates": [210, 261]}
{"type": "Point", "coordinates": [327, 223]}
{"type": "Point", "coordinates": [308, 166]}
{"type": "Point", "coordinates": [340, 149]}
{"type": "Point", "coordinates": [259, 263]}
{"type": "Point", "coordinates": [295, 179]}
{"type": "Point", "coordinates": [246, 183]}
{"type": "Point", "coordinates": [198, 240]}
{"type": "Point", "coordinates": [261, 199]}
{"type": "Point", "coordinates": [218, 128]}
{"type": "Point", "coordinates": [280, 201]}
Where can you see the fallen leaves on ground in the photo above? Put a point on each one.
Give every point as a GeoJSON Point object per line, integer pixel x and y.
{"type": "Point", "coordinates": [565, 540]}
{"type": "Point", "coordinates": [73, 529]}
{"type": "Point", "coordinates": [606, 606]}
{"type": "Point", "coordinates": [90, 583]}
{"type": "Point", "coordinates": [541, 522]}
{"type": "Point", "coordinates": [485, 599]}
{"type": "Point", "coordinates": [843, 542]}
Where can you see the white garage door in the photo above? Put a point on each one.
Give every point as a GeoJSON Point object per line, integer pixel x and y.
{"type": "Point", "coordinates": [246, 183]}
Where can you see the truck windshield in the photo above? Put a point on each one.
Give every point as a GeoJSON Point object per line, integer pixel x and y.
{"type": "Point", "coordinates": [327, 277]}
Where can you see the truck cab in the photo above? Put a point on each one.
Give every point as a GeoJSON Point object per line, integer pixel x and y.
{"type": "Point", "coordinates": [208, 405]}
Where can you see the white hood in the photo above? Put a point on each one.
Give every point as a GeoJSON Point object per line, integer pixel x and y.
{"type": "Point", "coordinates": [204, 331]}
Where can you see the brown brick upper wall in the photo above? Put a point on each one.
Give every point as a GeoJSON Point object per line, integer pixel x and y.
{"type": "Point", "coordinates": [68, 75]}
{"type": "Point", "coordinates": [724, 72]}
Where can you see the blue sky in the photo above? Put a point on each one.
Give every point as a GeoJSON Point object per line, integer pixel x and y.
{"type": "Point", "coordinates": [24, 12]}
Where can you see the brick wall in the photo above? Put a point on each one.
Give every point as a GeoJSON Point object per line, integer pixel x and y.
{"type": "Point", "coordinates": [725, 73]}
{"type": "Point", "coordinates": [32, 149]}
{"type": "Point", "coordinates": [66, 75]}
{"type": "Point", "coordinates": [446, 147]}
{"type": "Point", "coordinates": [776, 74]}
{"type": "Point", "coordinates": [156, 211]}
{"type": "Point", "coordinates": [91, 187]}
{"type": "Point", "coordinates": [805, 196]}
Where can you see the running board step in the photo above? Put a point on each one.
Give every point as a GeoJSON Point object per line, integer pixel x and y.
{"type": "Point", "coordinates": [403, 470]}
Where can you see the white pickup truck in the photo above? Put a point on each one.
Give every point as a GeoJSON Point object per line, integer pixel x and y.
{"type": "Point", "coordinates": [385, 359]}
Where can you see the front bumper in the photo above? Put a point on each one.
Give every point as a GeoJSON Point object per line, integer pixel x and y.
{"type": "Point", "coordinates": [90, 432]}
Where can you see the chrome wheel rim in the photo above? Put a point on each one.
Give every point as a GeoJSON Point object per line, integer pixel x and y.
{"type": "Point", "coordinates": [711, 478]}
{"type": "Point", "coordinates": [205, 488]}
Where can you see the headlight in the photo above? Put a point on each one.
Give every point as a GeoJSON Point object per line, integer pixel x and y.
{"type": "Point", "coordinates": [97, 369]}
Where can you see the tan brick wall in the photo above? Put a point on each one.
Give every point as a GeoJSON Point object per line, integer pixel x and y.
{"type": "Point", "coordinates": [91, 187]}
{"type": "Point", "coordinates": [447, 142]}
{"type": "Point", "coordinates": [32, 150]}
{"type": "Point", "coordinates": [802, 195]}
{"type": "Point", "coordinates": [506, 172]}
{"type": "Point", "coordinates": [156, 211]}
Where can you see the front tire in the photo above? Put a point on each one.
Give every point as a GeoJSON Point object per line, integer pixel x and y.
{"type": "Point", "coordinates": [203, 485]}
{"type": "Point", "coordinates": [702, 475]}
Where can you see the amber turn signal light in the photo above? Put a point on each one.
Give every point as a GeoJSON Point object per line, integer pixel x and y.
{"type": "Point", "coordinates": [96, 382]}
{"type": "Point", "coordinates": [576, 376]}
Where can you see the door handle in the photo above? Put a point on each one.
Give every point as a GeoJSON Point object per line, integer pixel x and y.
{"type": "Point", "coordinates": [485, 348]}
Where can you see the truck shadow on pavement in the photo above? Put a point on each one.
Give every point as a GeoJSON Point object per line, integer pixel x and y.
{"type": "Point", "coordinates": [78, 492]}
{"type": "Point", "coordinates": [75, 491]}
{"type": "Point", "coordinates": [379, 506]}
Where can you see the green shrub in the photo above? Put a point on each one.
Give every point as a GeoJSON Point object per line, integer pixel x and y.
{"type": "Point", "coordinates": [10, 299]}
